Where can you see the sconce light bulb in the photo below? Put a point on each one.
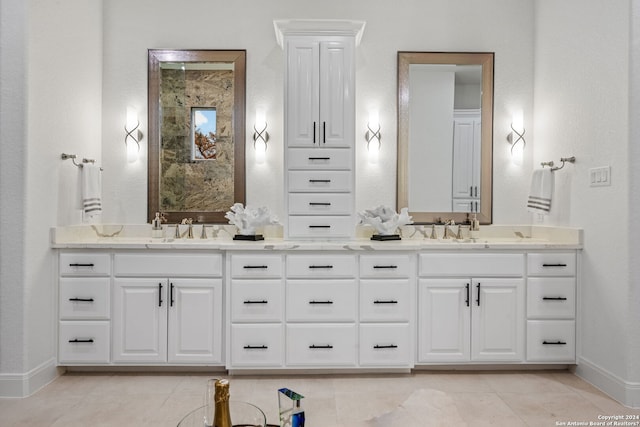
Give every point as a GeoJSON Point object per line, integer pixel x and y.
{"type": "Point", "coordinates": [132, 152]}
{"type": "Point", "coordinates": [261, 151]}
{"type": "Point", "coordinates": [374, 154]}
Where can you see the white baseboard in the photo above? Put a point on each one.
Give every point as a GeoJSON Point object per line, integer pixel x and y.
{"type": "Point", "coordinates": [23, 385]}
{"type": "Point", "coordinates": [625, 392]}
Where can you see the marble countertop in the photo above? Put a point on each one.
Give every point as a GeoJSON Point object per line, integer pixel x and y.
{"type": "Point", "coordinates": [220, 237]}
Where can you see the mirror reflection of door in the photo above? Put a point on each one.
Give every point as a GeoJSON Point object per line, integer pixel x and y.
{"type": "Point", "coordinates": [444, 137]}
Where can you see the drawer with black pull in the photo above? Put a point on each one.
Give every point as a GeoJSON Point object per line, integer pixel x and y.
{"type": "Point", "coordinates": [85, 264]}
{"type": "Point", "coordinates": [257, 345]}
{"type": "Point", "coordinates": [321, 345]}
{"type": "Point", "coordinates": [551, 297]}
{"type": "Point", "coordinates": [256, 300]}
{"type": "Point", "coordinates": [385, 345]}
{"type": "Point", "coordinates": [321, 301]}
{"type": "Point", "coordinates": [84, 342]}
{"type": "Point", "coordinates": [321, 265]}
{"type": "Point", "coordinates": [551, 264]}
{"type": "Point", "coordinates": [385, 300]}
{"type": "Point", "coordinates": [257, 265]}
{"type": "Point", "coordinates": [84, 298]}
{"type": "Point", "coordinates": [551, 341]}
{"type": "Point", "coordinates": [385, 266]}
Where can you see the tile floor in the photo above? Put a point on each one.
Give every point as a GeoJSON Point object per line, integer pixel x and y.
{"type": "Point", "coordinates": [420, 399]}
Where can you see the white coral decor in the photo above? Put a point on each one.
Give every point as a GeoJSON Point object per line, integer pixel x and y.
{"type": "Point", "coordinates": [247, 219]}
{"type": "Point", "coordinates": [385, 219]}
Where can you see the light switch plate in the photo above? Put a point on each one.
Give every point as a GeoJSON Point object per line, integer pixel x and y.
{"type": "Point", "coordinates": [600, 177]}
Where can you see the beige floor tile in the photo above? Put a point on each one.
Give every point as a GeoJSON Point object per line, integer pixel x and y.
{"type": "Point", "coordinates": [421, 399]}
{"type": "Point", "coordinates": [485, 409]}
{"type": "Point", "coordinates": [461, 382]}
{"type": "Point", "coordinates": [539, 409]}
{"type": "Point", "coordinates": [524, 382]}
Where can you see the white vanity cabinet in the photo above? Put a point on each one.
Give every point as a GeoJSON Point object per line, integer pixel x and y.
{"type": "Point", "coordinates": [386, 310]}
{"type": "Point", "coordinates": [471, 307]}
{"type": "Point", "coordinates": [551, 307]}
{"type": "Point", "coordinates": [84, 316]}
{"type": "Point", "coordinates": [167, 308]}
{"type": "Point", "coordinates": [319, 127]}
{"type": "Point", "coordinates": [256, 307]}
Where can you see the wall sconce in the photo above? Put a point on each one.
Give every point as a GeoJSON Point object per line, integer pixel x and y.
{"type": "Point", "coordinates": [516, 138]}
{"type": "Point", "coordinates": [260, 136]}
{"type": "Point", "coordinates": [133, 136]}
{"type": "Point", "coordinates": [373, 137]}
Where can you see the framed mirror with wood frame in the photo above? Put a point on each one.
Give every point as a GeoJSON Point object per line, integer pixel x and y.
{"type": "Point", "coordinates": [196, 107]}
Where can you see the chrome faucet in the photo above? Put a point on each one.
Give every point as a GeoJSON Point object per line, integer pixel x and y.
{"type": "Point", "coordinates": [189, 222]}
{"type": "Point", "coordinates": [448, 232]}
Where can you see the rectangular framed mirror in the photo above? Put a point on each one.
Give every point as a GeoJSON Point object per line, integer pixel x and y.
{"type": "Point", "coordinates": [196, 133]}
{"type": "Point", "coordinates": [445, 135]}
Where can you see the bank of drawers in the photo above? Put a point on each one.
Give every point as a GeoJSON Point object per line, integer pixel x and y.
{"type": "Point", "coordinates": [551, 307]}
{"type": "Point", "coordinates": [84, 327]}
{"type": "Point", "coordinates": [320, 184]}
{"type": "Point", "coordinates": [321, 313]}
{"type": "Point", "coordinates": [256, 310]}
{"type": "Point", "coordinates": [386, 309]}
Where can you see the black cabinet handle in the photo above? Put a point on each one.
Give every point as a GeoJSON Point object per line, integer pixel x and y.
{"type": "Point", "coordinates": [377, 346]}
{"type": "Point", "coordinates": [385, 266]}
{"type": "Point", "coordinates": [545, 342]}
{"type": "Point", "coordinates": [319, 158]}
{"type": "Point", "coordinates": [314, 302]}
{"type": "Point", "coordinates": [471, 191]}
{"type": "Point", "coordinates": [554, 298]}
{"type": "Point", "coordinates": [467, 298]}
{"type": "Point", "coordinates": [81, 299]}
{"type": "Point", "coordinates": [390, 301]}
{"type": "Point", "coordinates": [321, 266]}
{"type": "Point", "coordinates": [313, 181]}
{"type": "Point", "coordinates": [81, 265]}
{"type": "Point", "coordinates": [248, 267]}
{"type": "Point", "coordinates": [324, 132]}
{"type": "Point", "coordinates": [314, 133]}
{"type": "Point", "coordinates": [554, 265]}
{"type": "Point", "coordinates": [319, 226]}
{"type": "Point", "coordinates": [159, 294]}
{"type": "Point", "coordinates": [314, 346]}
{"type": "Point", "coordinates": [264, 301]}
{"type": "Point", "coordinates": [476, 191]}
{"type": "Point", "coordinates": [171, 300]}
{"type": "Point", "coordinates": [255, 347]}
{"type": "Point", "coordinates": [478, 300]}
{"type": "Point", "coordinates": [76, 340]}
{"type": "Point", "coordinates": [319, 204]}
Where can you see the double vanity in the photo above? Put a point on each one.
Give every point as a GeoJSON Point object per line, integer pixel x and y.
{"type": "Point", "coordinates": [318, 294]}
{"type": "Point", "coordinates": [317, 305]}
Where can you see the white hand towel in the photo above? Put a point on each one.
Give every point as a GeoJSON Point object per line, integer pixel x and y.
{"type": "Point", "coordinates": [91, 193]}
{"type": "Point", "coordinates": [541, 191]}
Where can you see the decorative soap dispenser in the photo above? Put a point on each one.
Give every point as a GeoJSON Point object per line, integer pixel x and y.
{"type": "Point", "coordinates": [156, 227]}
{"type": "Point", "coordinates": [474, 228]}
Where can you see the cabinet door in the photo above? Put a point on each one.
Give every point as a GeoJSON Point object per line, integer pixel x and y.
{"type": "Point", "coordinates": [337, 97]}
{"type": "Point", "coordinates": [498, 320]}
{"type": "Point", "coordinates": [195, 320]}
{"type": "Point", "coordinates": [463, 130]}
{"type": "Point", "coordinates": [302, 93]}
{"type": "Point", "coordinates": [444, 320]}
{"type": "Point", "coordinates": [140, 320]}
